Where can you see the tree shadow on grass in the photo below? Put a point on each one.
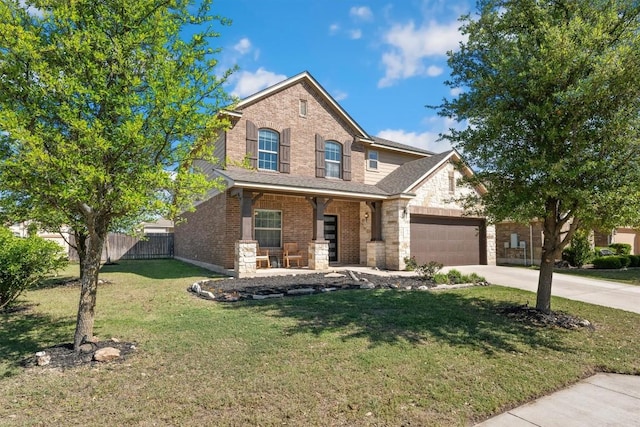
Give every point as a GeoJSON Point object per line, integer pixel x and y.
{"type": "Point", "coordinates": [22, 333]}
{"type": "Point", "coordinates": [158, 269]}
{"type": "Point", "coordinates": [392, 317]}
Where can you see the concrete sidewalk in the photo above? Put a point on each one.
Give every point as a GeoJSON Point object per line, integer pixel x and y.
{"type": "Point", "coordinates": [600, 400]}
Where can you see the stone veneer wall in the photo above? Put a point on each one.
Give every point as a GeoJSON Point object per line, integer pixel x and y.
{"type": "Point", "coordinates": [396, 233]}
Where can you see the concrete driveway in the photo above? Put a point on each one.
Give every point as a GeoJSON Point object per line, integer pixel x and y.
{"type": "Point", "coordinates": [599, 292]}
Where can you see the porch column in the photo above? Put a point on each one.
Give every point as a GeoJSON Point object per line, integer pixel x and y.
{"type": "Point", "coordinates": [319, 247]}
{"type": "Point", "coordinates": [397, 233]}
{"type": "Point", "coordinates": [244, 262]}
{"type": "Point", "coordinates": [245, 258]}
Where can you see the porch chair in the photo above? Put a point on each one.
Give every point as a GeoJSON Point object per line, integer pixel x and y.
{"type": "Point", "coordinates": [291, 252]}
{"type": "Point", "coordinates": [262, 255]}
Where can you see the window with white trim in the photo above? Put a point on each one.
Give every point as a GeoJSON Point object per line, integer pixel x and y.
{"type": "Point", "coordinates": [332, 159]}
{"type": "Point", "coordinates": [372, 160]}
{"type": "Point", "coordinates": [267, 228]}
{"type": "Point", "coordinates": [452, 182]}
{"type": "Point", "coordinates": [303, 108]}
{"type": "Point", "coordinates": [268, 142]}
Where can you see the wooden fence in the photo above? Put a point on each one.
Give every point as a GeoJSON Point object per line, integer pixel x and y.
{"type": "Point", "coordinates": [122, 246]}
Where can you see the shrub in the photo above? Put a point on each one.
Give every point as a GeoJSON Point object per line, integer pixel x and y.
{"type": "Point", "coordinates": [474, 278]}
{"type": "Point", "coordinates": [625, 261]}
{"type": "Point", "coordinates": [621, 248]}
{"type": "Point", "coordinates": [579, 252]}
{"type": "Point", "coordinates": [410, 264]}
{"type": "Point", "coordinates": [25, 262]}
{"type": "Point", "coordinates": [455, 276]}
{"type": "Point", "coordinates": [608, 262]}
{"type": "Point", "coordinates": [441, 279]}
{"type": "Point", "coordinates": [635, 260]}
{"type": "Point", "coordinates": [428, 270]}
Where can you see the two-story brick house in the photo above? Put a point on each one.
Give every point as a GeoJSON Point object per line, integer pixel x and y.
{"type": "Point", "coordinates": [316, 178]}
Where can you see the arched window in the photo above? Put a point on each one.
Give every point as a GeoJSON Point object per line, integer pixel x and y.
{"type": "Point", "coordinates": [268, 142]}
{"type": "Point", "coordinates": [332, 159]}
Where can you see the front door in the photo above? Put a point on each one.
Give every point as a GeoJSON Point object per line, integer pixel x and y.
{"type": "Point", "coordinates": [331, 234]}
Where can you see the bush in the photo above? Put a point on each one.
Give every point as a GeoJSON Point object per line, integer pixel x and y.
{"type": "Point", "coordinates": [455, 276]}
{"type": "Point", "coordinates": [625, 261]}
{"type": "Point", "coordinates": [635, 260]}
{"type": "Point", "coordinates": [608, 262]}
{"type": "Point", "coordinates": [621, 248]}
{"type": "Point", "coordinates": [579, 252]}
{"type": "Point", "coordinates": [441, 279]}
{"type": "Point", "coordinates": [410, 264]}
{"type": "Point", "coordinates": [25, 262]}
{"type": "Point", "coordinates": [428, 270]}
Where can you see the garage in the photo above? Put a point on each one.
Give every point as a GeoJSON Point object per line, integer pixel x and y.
{"type": "Point", "coordinates": [448, 240]}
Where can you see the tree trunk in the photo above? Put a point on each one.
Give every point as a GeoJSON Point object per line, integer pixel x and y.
{"type": "Point", "coordinates": [543, 297]}
{"type": "Point", "coordinates": [90, 267]}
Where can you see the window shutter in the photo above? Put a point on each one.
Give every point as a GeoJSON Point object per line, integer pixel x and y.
{"type": "Point", "coordinates": [285, 151]}
{"type": "Point", "coordinates": [252, 144]}
{"type": "Point", "coordinates": [346, 161]}
{"type": "Point", "coordinates": [319, 156]}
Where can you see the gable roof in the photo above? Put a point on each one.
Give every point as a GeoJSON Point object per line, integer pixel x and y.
{"type": "Point", "coordinates": [305, 76]}
{"type": "Point", "coordinates": [405, 177]}
{"type": "Point", "coordinates": [386, 143]}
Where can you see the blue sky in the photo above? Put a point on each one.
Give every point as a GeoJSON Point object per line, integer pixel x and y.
{"type": "Point", "coordinates": [383, 61]}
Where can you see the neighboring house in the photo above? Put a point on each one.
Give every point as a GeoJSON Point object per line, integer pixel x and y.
{"type": "Point", "coordinates": [161, 225]}
{"type": "Point", "coordinates": [619, 235]}
{"type": "Point", "coordinates": [317, 179]}
{"type": "Point", "coordinates": [522, 243]}
{"type": "Point", "coordinates": [21, 229]}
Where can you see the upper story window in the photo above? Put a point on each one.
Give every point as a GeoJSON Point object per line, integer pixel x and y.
{"type": "Point", "coordinates": [303, 108]}
{"type": "Point", "coordinates": [332, 159]}
{"type": "Point", "coordinates": [452, 182]}
{"type": "Point", "coordinates": [268, 142]}
{"type": "Point", "coordinates": [372, 160]}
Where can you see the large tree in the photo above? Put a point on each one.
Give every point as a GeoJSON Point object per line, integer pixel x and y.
{"type": "Point", "coordinates": [104, 105]}
{"type": "Point", "coordinates": [551, 96]}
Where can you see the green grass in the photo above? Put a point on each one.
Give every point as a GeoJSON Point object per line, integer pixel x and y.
{"type": "Point", "coordinates": [348, 358]}
{"type": "Point", "coordinates": [630, 276]}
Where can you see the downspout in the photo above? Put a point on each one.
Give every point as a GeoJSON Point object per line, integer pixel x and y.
{"type": "Point", "coordinates": [531, 242]}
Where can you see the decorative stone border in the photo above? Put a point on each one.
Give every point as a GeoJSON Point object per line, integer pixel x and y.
{"type": "Point", "coordinates": [263, 293]}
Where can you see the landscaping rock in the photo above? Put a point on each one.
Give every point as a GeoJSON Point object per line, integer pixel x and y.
{"type": "Point", "coordinates": [86, 347]}
{"type": "Point", "coordinates": [106, 354]}
{"type": "Point", "coordinates": [42, 358]}
{"type": "Point", "coordinates": [301, 291]}
{"type": "Point", "coordinates": [367, 285]}
{"type": "Point", "coordinates": [333, 275]}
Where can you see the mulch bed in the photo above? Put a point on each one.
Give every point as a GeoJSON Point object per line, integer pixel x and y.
{"type": "Point", "coordinates": [63, 356]}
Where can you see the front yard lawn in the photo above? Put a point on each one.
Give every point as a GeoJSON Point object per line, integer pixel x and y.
{"type": "Point", "coordinates": [350, 358]}
{"type": "Point", "coordinates": [630, 276]}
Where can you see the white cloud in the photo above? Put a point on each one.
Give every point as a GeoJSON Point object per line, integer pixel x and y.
{"type": "Point", "coordinates": [425, 140]}
{"type": "Point", "coordinates": [243, 46]}
{"type": "Point", "coordinates": [433, 71]}
{"type": "Point", "coordinates": [408, 47]}
{"type": "Point", "coordinates": [363, 13]}
{"type": "Point", "coordinates": [355, 34]}
{"type": "Point", "coordinates": [456, 91]}
{"type": "Point", "coordinates": [249, 83]}
{"type": "Point", "coordinates": [339, 95]}
{"type": "Point", "coordinates": [333, 29]}
{"type": "Point", "coordinates": [428, 140]}
{"type": "Point", "coordinates": [31, 10]}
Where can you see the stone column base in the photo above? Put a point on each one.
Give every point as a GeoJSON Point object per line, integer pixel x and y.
{"type": "Point", "coordinates": [319, 255]}
{"type": "Point", "coordinates": [244, 263]}
{"type": "Point", "coordinates": [376, 255]}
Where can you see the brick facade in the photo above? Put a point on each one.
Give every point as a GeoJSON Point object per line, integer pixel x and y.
{"type": "Point", "coordinates": [211, 236]}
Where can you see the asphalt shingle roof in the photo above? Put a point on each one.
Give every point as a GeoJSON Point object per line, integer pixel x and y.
{"type": "Point", "coordinates": [394, 144]}
{"type": "Point", "coordinates": [401, 179]}
{"type": "Point", "coordinates": [301, 182]}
